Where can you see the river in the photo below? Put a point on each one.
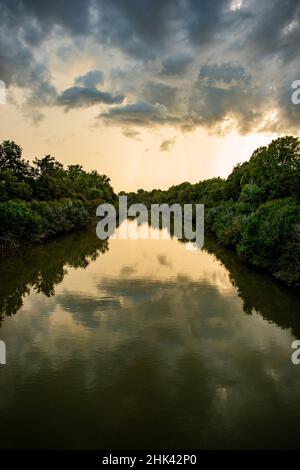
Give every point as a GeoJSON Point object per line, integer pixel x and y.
{"type": "Point", "coordinates": [145, 344]}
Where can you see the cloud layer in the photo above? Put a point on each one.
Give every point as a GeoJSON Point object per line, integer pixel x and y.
{"type": "Point", "coordinates": [186, 63]}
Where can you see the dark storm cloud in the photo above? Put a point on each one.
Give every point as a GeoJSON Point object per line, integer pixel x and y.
{"type": "Point", "coordinates": [288, 116]}
{"type": "Point", "coordinates": [38, 80]}
{"type": "Point", "coordinates": [140, 28]}
{"type": "Point", "coordinates": [154, 92]}
{"type": "Point", "coordinates": [205, 19]}
{"type": "Point", "coordinates": [221, 92]}
{"type": "Point", "coordinates": [227, 73]}
{"type": "Point", "coordinates": [225, 91]}
{"type": "Point", "coordinates": [76, 97]}
{"type": "Point", "coordinates": [90, 79]}
{"type": "Point", "coordinates": [140, 113]}
{"type": "Point", "coordinates": [24, 25]}
{"type": "Point", "coordinates": [144, 28]}
{"type": "Point", "coordinates": [168, 39]}
{"type": "Point", "coordinates": [176, 64]}
{"type": "Point", "coordinates": [274, 29]}
{"type": "Point", "coordinates": [39, 17]}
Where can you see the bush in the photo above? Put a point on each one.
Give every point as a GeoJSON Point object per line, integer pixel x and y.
{"type": "Point", "coordinates": [227, 221]}
{"type": "Point", "coordinates": [60, 216]}
{"type": "Point", "coordinates": [19, 223]}
{"type": "Point", "coordinates": [252, 195]}
{"type": "Point", "coordinates": [269, 236]}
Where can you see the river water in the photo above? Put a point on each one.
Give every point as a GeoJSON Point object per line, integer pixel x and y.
{"type": "Point", "coordinates": [145, 344]}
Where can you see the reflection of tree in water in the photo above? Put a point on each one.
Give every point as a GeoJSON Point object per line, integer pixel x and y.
{"type": "Point", "coordinates": [43, 267]}
{"type": "Point", "coordinates": [259, 291]}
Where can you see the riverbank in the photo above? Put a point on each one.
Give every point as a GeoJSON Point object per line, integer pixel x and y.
{"type": "Point", "coordinates": [35, 222]}
{"type": "Point", "coordinates": [41, 200]}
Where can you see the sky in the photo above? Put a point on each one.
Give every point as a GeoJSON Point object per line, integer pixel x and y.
{"type": "Point", "coordinates": [150, 92]}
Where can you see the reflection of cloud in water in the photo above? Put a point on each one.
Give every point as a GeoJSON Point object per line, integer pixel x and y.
{"type": "Point", "coordinates": [163, 317]}
{"type": "Point", "coordinates": [163, 261]}
{"type": "Point", "coordinates": [193, 341]}
{"type": "Point", "coordinates": [166, 338]}
{"type": "Point", "coordinates": [127, 270]}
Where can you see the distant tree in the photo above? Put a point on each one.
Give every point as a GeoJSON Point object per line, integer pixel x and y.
{"type": "Point", "coordinates": [235, 181]}
{"type": "Point", "coordinates": [11, 159]}
{"type": "Point", "coordinates": [276, 168]}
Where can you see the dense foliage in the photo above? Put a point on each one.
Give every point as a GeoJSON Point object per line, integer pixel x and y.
{"type": "Point", "coordinates": [256, 210]}
{"type": "Point", "coordinates": [43, 199]}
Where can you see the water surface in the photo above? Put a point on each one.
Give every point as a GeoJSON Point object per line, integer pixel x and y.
{"type": "Point", "coordinates": [145, 344]}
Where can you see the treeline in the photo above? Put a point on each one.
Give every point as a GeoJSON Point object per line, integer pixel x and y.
{"type": "Point", "coordinates": [42, 199]}
{"type": "Point", "coordinates": [256, 210]}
